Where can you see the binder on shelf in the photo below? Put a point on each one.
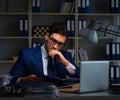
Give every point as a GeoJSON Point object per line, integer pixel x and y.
{"type": "Point", "coordinates": [68, 26]}
{"type": "Point", "coordinates": [26, 27]}
{"type": "Point", "coordinates": [113, 51]}
{"type": "Point", "coordinates": [82, 23]}
{"type": "Point", "coordinates": [36, 5]}
{"type": "Point", "coordinates": [87, 6]}
{"type": "Point", "coordinates": [117, 74]}
{"type": "Point", "coordinates": [112, 6]}
{"type": "Point", "coordinates": [117, 6]}
{"type": "Point", "coordinates": [114, 74]}
{"type": "Point", "coordinates": [111, 73]}
{"type": "Point", "coordinates": [117, 51]}
{"type": "Point", "coordinates": [70, 23]}
{"type": "Point", "coordinates": [33, 5]}
{"type": "Point", "coordinates": [73, 27]}
{"type": "Point", "coordinates": [79, 6]}
{"type": "Point", "coordinates": [36, 44]}
{"type": "Point", "coordinates": [108, 51]}
{"type": "Point", "coordinates": [83, 6]}
{"type": "Point", "coordinates": [79, 24]}
{"type": "Point", "coordinates": [23, 26]}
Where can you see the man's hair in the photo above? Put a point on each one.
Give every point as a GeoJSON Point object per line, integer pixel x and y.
{"type": "Point", "coordinates": [59, 28]}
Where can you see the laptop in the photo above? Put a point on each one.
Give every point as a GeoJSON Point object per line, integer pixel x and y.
{"type": "Point", "coordinates": [94, 76]}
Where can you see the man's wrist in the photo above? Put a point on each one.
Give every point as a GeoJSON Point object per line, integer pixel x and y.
{"type": "Point", "coordinates": [66, 63]}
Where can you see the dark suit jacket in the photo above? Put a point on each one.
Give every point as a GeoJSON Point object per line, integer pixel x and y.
{"type": "Point", "coordinates": [30, 62]}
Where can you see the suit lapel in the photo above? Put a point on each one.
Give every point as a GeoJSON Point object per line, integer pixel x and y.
{"type": "Point", "coordinates": [39, 62]}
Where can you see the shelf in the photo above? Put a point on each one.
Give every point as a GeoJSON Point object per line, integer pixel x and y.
{"type": "Point", "coordinates": [7, 61]}
{"type": "Point", "coordinates": [13, 13]}
{"type": "Point", "coordinates": [14, 37]}
{"type": "Point", "coordinates": [61, 14]}
{"type": "Point", "coordinates": [97, 14]}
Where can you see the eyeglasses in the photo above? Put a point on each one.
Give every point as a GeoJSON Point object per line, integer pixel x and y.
{"type": "Point", "coordinates": [54, 41]}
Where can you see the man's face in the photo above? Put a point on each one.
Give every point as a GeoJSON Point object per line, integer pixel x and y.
{"type": "Point", "coordinates": [54, 41]}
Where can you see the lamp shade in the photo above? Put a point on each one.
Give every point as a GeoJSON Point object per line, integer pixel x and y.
{"type": "Point", "coordinates": [89, 34]}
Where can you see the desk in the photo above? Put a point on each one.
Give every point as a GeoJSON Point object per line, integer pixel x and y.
{"type": "Point", "coordinates": [69, 96]}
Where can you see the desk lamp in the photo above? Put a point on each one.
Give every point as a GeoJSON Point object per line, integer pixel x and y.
{"type": "Point", "coordinates": [90, 33]}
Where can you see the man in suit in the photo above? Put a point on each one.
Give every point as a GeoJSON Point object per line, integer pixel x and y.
{"type": "Point", "coordinates": [33, 62]}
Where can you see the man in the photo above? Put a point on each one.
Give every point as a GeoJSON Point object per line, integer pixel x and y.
{"type": "Point", "coordinates": [33, 62]}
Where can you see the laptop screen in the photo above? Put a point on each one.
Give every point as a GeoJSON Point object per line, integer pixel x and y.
{"type": "Point", "coordinates": [94, 76]}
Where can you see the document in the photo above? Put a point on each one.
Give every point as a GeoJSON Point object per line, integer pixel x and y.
{"type": "Point", "coordinates": [59, 81]}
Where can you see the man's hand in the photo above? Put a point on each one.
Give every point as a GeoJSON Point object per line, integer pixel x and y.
{"type": "Point", "coordinates": [59, 56]}
{"type": "Point", "coordinates": [31, 78]}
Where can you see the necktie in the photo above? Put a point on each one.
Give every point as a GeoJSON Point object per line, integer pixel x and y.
{"type": "Point", "coordinates": [51, 69]}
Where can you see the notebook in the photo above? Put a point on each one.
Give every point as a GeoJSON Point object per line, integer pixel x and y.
{"type": "Point", "coordinates": [94, 76]}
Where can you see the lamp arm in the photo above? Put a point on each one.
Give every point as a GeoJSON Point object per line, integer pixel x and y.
{"type": "Point", "coordinates": [108, 31]}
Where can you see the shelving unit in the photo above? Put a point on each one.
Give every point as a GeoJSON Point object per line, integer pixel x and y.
{"type": "Point", "coordinates": [11, 42]}
{"type": "Point", "coordinates": [100, 10]}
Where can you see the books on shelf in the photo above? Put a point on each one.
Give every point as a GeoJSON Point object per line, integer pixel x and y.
{"type": "Point", "coordinates": [113, 29]}
{"type": "Point", "coordinates": [67, 6]}
{"type": "Point", "coordinates": [83, 56]}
